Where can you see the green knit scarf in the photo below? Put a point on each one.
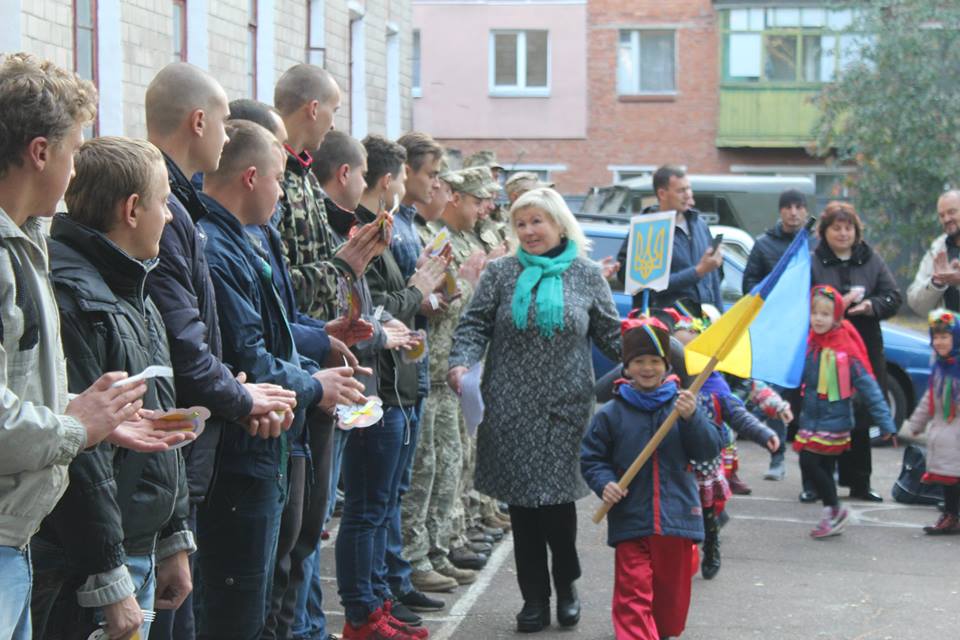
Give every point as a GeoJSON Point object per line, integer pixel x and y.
{"type": "Point", "coordinates": [547, 273]}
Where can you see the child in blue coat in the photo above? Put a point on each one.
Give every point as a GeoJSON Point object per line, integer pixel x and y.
{"type": "Point", "coordinates": [655, 522]}
{"type": "Point", "coordinates": [836, 365]}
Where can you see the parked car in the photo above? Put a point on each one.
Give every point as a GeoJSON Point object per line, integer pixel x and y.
{"type": "Point", "coordinates": [744, 202]}
{"type": "Point", "coordinates": [907, 351]}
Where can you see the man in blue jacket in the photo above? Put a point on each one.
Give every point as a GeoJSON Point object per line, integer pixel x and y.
{"type": "Point", "coordinates": [241, 521]}
{"type": "Point", "coordinates": [695, 266]}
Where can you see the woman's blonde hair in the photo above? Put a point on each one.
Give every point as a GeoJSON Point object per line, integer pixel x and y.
{"type": "Point", "coordinates": [552, 203]}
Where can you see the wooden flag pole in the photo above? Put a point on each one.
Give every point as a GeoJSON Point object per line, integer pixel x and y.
{"type": "Point", "coordinates": [654, 442]}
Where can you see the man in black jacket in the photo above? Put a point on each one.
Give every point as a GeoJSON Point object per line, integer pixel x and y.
{"type": "Point", "coordinates": [185, 112]}
{"type": "Point", "coordinates": [773, 243]}
{"type": "Point", "coordinates": [122, 510]}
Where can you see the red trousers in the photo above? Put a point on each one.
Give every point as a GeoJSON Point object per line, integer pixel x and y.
{"type": "Point", "coordinates": [651, 593]}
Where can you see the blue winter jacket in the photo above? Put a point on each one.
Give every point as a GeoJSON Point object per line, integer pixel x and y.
{"type": "Point", "coordinates": [820, 414]}
{"type": "Point", "coordinates": [256, 338]}
{"type": "Point", "coordinates": [663, 499]}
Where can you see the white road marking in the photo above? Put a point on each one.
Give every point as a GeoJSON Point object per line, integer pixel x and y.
{"type": "Point", "coordinates": [463, 605]}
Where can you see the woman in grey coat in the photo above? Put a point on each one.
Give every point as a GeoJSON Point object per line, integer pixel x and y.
{"type": "Point", "coordinates": [534, 315]}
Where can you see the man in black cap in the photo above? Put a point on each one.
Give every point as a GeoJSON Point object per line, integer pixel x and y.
{"type": "Point", "coordinates": [774, 242]}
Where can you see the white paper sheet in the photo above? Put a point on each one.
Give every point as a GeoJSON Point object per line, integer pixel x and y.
{"type": "Point", "coordinates": [471, 401]}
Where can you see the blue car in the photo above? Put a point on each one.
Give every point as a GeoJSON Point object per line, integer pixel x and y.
{"type": "Point", "coordinates": [907, 351]}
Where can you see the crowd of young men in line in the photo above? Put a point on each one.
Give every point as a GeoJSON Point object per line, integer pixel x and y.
{"type": "Point", "coordinates": [255, 252]}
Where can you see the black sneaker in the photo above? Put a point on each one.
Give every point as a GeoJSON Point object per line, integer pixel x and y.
{"type": "Point", "coordinates": [418, 601]}
{"type": "Point", "coordinates": [400, 612]}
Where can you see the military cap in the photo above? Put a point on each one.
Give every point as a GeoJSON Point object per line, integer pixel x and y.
{"type": "Point", "coordinates": [523, 181]}
{"type": "Point", "coordinates": [472, 182]}
{"type": "Point", "coordinates": [489, 182]}
{"type": "Point", "coordinates": [485, 158]}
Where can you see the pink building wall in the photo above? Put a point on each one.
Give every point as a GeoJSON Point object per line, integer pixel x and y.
{"type": "Point", "coordinates": [454, 72]}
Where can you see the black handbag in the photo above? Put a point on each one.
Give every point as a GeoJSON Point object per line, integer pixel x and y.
{"type": "Point", "coordinates": [908, 488]}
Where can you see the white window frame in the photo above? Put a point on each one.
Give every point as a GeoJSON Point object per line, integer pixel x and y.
{"type": "Point", "coordinates": [619, 169]}
{"type": "Point", "coordinates": [392, 105]}
{"type": "Point", "coordinates": [358, 71]}
{"type": "Point", "coordinates": [416, 62]}
{"type": "Point", "coordinates": [520, 90]}
{"type": "Point", "coordinates": [549, 169]}
{"type": "Point", "coordinates": [635, 50]}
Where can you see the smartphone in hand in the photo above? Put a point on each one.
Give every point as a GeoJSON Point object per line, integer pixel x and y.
{"type": "Point", "coordinates": [717, 241]}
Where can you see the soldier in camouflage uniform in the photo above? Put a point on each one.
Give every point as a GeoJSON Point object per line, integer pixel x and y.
{"type": "Point", "coordinates": [315, 263]}
{"type": "Point", "coordinates": [522, 181]}
{"type": "Point", "coordinates": [439, 487]}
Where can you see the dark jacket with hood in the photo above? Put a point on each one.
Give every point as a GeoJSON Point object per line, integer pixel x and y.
{"type": "Point", "coordinates": [663, 499]}
{"type": "Point", "coordinates": [109, 324]}
{"type": "Point", "coordinates": [180, 286]}
{"type": "Point", "coordinates": [766, 252]}
{"type": "Point", "coordinates": [256, 338]}
{"type": "Point", "coordinates": [868, 270]}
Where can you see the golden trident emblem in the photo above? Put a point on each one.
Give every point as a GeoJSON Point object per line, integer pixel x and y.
{"type": "Point", "coordinates": [649, 255]}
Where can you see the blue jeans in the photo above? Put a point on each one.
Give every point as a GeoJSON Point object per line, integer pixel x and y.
{"type": "Point", "coordinates": [238, 528]}
{"type": "Point", "coordinates": [396, 568]}
{"type": "Point", "coordinates": [371, 480]}
{"type": "Point", "coordinates": [16, 580]}
{"type": "Point", "coordinates": [339, 445]}
{"type": "Point", "coordinates": [141, 570]}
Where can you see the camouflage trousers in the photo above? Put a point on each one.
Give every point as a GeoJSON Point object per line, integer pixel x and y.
{"type": "Point", "coordinates": [427, 508]}
{"type": "Point", "coordinates": [473, 506]}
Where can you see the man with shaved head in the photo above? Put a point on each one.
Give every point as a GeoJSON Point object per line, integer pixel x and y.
{"type": "Point", "coordinates": [186, 109]}
{"type": "Point", "coordinates": [307, 97]}
{"type": "Point", "coordinates": [937, 283]}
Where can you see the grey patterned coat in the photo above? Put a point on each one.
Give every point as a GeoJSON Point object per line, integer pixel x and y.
{"type": "Point", "coordinates": [538, 391]}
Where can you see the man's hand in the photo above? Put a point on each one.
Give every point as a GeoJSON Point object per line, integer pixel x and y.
{"type": "Point", "coordinates": [471, 269]}
{"type": "Point", "coordinates": [455, 379]}
{"type": "Point", "coordinates": [270, 424]}
{"type": "Point", "coordinates": [433, 305]}
{"type": "Point", "coordinates": [711, 260]}
{"type": "Point", "coordinates": [124, 618]}
{"type": "Point", "coordinates": [362, 247]}
{"type": "Point", "coordinates": [147, 434]}
{"type": "Point", "coordinates": [686, 404]}
{"type": "Point", "coordinates": [173, 581]}
{"type": "Point", "coordinates": [428, 278]}
{"type": "Point", "coordinates": [946, 272]}
{"type": "Point", "coordinates": [102, 407]}
{"type": "Point", "coordinates": [348, 332]}
{"type": "Point", "coordinates": [610, 267]}
{"type": "Point", "coordinates": [612, 493]}
{"type": "Point", "coordinates": [267, 397]}
{"type": "Point", "coordinates": [498, 251]}
{"type": "Point", "coordinates": [340, 355]}
{"type": "Point", "coordinates": [786, 415]}
{"type": "Point", "coordinates": [339, 387]}
{"type": "Point", "coordinates": [399, 335]}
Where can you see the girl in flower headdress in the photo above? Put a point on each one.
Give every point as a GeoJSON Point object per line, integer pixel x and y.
{"type": "Point", "coordinates": [939, 407]}
{"type": "Point", "coordinates": [836, 365]}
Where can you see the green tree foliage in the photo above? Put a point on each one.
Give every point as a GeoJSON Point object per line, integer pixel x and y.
{"type": "Point", "coordinates": [895, 114]}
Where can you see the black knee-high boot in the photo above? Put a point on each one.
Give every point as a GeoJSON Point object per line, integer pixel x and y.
{"type": "Point", "coordinates": [710, 565]}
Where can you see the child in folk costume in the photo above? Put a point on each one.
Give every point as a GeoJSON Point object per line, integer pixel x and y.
{"type": "Point", "coordinates": [836, 365]}
{"type": "Point", "coordinates": [728, 415]}
{"type": "Point", "coordinates": [939, 406]}
{"type": "Point", "coordinates": [655, 521]}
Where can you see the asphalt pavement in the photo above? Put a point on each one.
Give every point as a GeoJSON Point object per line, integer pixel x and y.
{"type": "Point", "coordinates": [883, 579]}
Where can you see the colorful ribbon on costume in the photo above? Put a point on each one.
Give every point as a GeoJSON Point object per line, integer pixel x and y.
{"type": "Point", "coordinates": [834, 379]}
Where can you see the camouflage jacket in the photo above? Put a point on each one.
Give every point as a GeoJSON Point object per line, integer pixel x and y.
{"type": "Point", "coordinates": [489, 234]}
{"type": "Point", "coordinates": [309, 242]}
{"type": "Point", "coordinates": [440, 327]}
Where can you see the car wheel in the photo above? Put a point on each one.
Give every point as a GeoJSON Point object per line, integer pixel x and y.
{"type": "Point", "coordinates": [897, 399]}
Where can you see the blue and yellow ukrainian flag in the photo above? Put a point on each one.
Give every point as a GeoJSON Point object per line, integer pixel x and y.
{"type": "Point", "coordinates": [764, 335]}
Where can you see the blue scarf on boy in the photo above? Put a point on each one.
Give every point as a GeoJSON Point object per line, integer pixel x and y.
{"type": "Point", "coordinates": [648, 400]}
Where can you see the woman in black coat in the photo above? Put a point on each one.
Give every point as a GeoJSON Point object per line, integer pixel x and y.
{"type": "Point", "coordinates": [844, 261]}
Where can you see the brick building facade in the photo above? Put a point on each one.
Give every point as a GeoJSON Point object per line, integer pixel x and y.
{"type": "Point", "coordinates": [245, 44]}
{"type": "Point", "coordinates": [681, 114]}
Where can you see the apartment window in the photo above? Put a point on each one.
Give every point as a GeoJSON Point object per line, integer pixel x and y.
{"type": "Point", "coordinates": [623, 172]}
{"type": "Point", "coordinates": [519, 63]}
{"type": "Point", "coordinates": [85, 47]}
{"type": "Point", "coordinates": [252, 48]}
{"type": "Point", "coordinates": [179, 30]}
{"type": "Point", "coordinates": [416, 64]}
{"type": "Point", "coordinates": [358, 72]}
{"type": "Point", "coordinates": [647, 62]}
{"type": "Point", "coordinates": [393, 110]}
{"type": "Point", "coordinates": [316, 33]}
{"type": "Point", "coordinates": [788, 44]}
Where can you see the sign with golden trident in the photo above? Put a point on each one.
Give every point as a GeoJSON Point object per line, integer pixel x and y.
{"type": "Point", "coordinates": [649, 251]}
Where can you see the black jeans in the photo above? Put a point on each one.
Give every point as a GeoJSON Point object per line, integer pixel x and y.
{"type": "Point", "coordinates": [534, 529]}
{"type": "Point", "coordinates": [818, 469]}
{"type": "Point", "coordinates": [855, 464]}
{"type": "Point", "coordinates": [951, 499]}
{"type": "Point", "coordinates": [290, 523]}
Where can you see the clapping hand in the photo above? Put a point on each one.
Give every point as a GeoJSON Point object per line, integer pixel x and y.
{"type": "Point", "coordinates": [946, 272]}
